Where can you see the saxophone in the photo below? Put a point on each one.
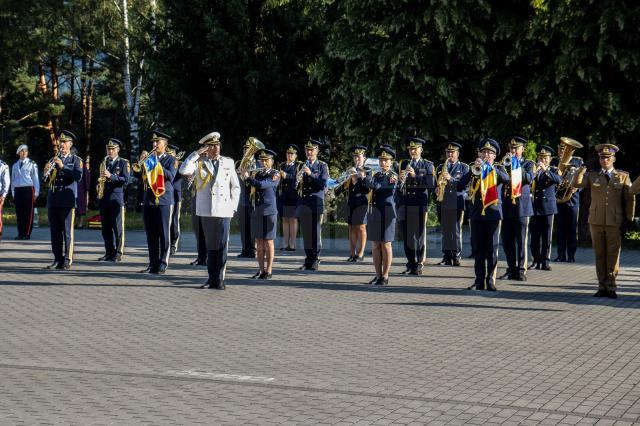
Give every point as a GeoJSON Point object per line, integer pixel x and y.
{"type": "Point", "coordinates": [442, 183]}
{"type": "Point", "coordinates": [102, 179]}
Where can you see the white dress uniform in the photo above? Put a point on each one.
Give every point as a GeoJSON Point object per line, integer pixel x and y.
{"type": "Point", "coordinates": [217, 196]}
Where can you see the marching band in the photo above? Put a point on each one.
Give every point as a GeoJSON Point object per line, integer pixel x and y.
{"type": "Point", "coordinates": [514, 198]}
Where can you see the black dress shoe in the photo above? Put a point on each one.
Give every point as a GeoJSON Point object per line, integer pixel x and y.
{"type": "Point", "coordinates": [476, 286]}
{"type": "Point", "coordinates": [507, 276]}
{"type": "Point", "coordinates": [283, 248]}
{"type": "Point", "coordinates": [382, 281]}
{"type": "Point", "coordinates": [195, 262]}
{"type": "Point", "coordinates": [161, 270]}
{"type": "Point", "coordinates": [350, 259]}
{"type": "Point", "coordinates": [358, 259]}
{"type": "Point", "coordinates": [373, 281]}
{"type": "Point", "coordinates": [64, 265]}
{"type": "Point", "coordinates": [560, 259]}
{"type": "Point", "coordinates": [419, 270]}
{"type": "Point", "coordinates": [443, 261]}
{"type": "Point", "coordinates": [28, 237]}
{"type": "Point", "coordinates": [545, 267]}
{"type": "Point", "coordinates": [219, 286]}
{"type": "Point", "coordinates": [456, 262]}
{"type": "Point", "coordinates": [118, 258]}
{"type": "Point", "coordinates": [520, 277]}
{"type": "Point", "coordinates": [601, 293]}
{"type": "Point", "coordinates": [315, 265]}
{"type": "Point", "coordinates": [206, 284]}
{"type": "Point", "coordinates": [265, 276]}
{"type": "Point", "coordinates": [172, 251]}
{"type": "Point", "coordinates": [54, 265]}
{"type": "Point", "coordinates": [101, 258]}
{"type": "Point", "coordinates": [290, 249]}
{"type": "Point", "coordinates": [611, 294]}
{"type": "Point", "coordinates": [571, 260]}
{"type": "Point", "coordinates": [491, 287]}
{"type": "Point", "coordinates": [256, 275]}
{"type": "Point", "coordinates": [533, 265]}
{"type": "Point", "coordinates": [407, 271]}
{"type": "Point", "coordinates": [146, 270]}
{"type": "Point", "coordinates": [18, 238]}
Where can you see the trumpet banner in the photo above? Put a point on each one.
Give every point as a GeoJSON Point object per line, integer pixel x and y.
{"type": "Point", "coordinates": [488, 186]}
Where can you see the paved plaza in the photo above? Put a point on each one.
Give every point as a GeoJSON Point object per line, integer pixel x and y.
{"type": "Point", "coordinates": [103, 344]}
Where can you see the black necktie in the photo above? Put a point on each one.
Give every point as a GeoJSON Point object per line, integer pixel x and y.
{"type": "Point", "coordinates": [606, 175]}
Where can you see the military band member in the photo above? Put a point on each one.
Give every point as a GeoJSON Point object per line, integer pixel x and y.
{"type": "Point", "coordinates": [264, 222]}
{"type": "Point", "coordinates": [612, 206]}
{"type": "Point", "coordinates": [543, 188]}
{"type": "Point", "coordinates": [25, 188]}
{"type": "Point", "coordinates": [567, 217]}
{"type": "Point", "coordinates": [158, 202]}
{"type": "Point", "coordinates": [451, 204]}
{"type": "Point", "coordinates": [485, 180]}
{"type": "Point", "coordinates": [516, 212]}
{"type": "Point", "coordinates": [5, 185]}
{"type": "Point", "coordinates": [177, 202]}
{"type": "Point", "coordinates": [245, 210]}
{"type": "Point", "coordinates": [416, 180]}
{"type": "Point", "coordinates": [288, 198]}
{"type": "Point", "coordinates": [115, 177]}
{"type": "Point", "coordinates": [355, 186]}
{"type": "Point", "coordinates": [217, 197]}
{"type": "Point", "coordinates": [381, 216]}
{"type": "Point", "coordinates": [313, 180]}
{"type": "Point", "coordinates": [62, 174]}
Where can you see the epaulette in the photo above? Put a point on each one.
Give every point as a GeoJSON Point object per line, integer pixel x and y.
{"type": "Point", "coordinates": [226, 158]}
{"type": "Point", "coordinates": [622, 172]}
{"type": "Point", "coordinates": [427, 161]}
{"type": "Point", "coordinates": [321, 162]}
{"type": "Point", "coordinates": [125, 160]}
{"type": "Point", "coordinates": [577, 158]}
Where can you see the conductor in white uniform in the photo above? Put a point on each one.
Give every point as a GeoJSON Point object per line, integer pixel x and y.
{"type": "Point", "coordinates": [217, 196]}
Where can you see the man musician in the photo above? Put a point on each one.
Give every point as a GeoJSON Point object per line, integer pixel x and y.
{"type": "Point", "coordinates": [517, 209]}
{"type": "Point", "coordinates": [158, 170]}
{"type": "Point", "coordinates": [355, 187]}
{"type": "Point", "coordinates": [543, 188]}
{"type": "Point", "coordinates": [416, 180]}
{"type": "Point", "coordinates": [174, 228]}
{"type": "Point", "coordinates": [114, 176]}
{"type": "Point", "coordinates": [62, 174]}
{"type": "Point", "coordinates": [567, 216]}
{"type": "Point", "coordinates": [451, 204]}
{"type": "Point", "coordinates": [245, 211]}
{"type": "Point", "coordinates": [485, 180]}
{"type": "Point", "coordinates": [217, 192]}
{"type": "Point", "coordinates": [311, 183]}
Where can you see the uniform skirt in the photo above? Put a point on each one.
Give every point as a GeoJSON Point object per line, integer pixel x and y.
{"type": "Point", "coordinates": [357, 215]}
{"type": "Point", "coordinates": [264, 227]}
{"type": "Point", "coordinates": [381, 224]}
{"type": "Point", "coordinates": [287, 210]}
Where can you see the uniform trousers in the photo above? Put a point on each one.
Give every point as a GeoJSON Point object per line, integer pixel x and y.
{"type": "Point", "coordinates": [541, 227]}
{"type": "Point", "coordinates": [414, 236]}
{"type": "Point", "coordinates": [310, 227]}
{"type": "Point", "coordinates": [112, 217]}
{"type": "Point", "coordinates": [23, 199]}
{"type": "Point", "coordinates": [514, 243]}
{"type": "Point", "coordinates": [175, 225]}
{"type": "Point", "coordinates": [156, 222]}
{"type": "Point", "coordinates": [451, 226]}
{"type": "Point", "coordinates": [567, 231]}
{"type": "Point", "coordinates": [216, 231]}
{"type": "Point", "coordinates": [196, 224]}
{"type": "Point", "coordinates": [606, 241]}
{"type": "Point", "coordinates": [244, 221]}
{"type": "Point", "coordinates": [61, 226]}
{"type": "Point", "coordinates": [486, 243]}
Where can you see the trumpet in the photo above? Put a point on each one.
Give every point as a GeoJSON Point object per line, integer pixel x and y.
{"type": "Point", "coordinates": [506, 160]}
{"type": "Point", "coordinates": [137, 167]}
{"type": "Point", "coordinates": [300, 175]}
{"type": "Point", "coordinates": [346, 175]}
{"type": "Point", "coordinates": [476, 167]}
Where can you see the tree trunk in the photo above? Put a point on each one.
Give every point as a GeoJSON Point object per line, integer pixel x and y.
{"type": "Point", "coordinates": [55, 96]}
{"type": "Point", "coordinates": [72, 90]}
{"type": "Point", "coordinates": [44, 89]}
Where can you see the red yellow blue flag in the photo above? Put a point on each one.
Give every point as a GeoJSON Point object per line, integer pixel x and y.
{"type": "Point", "coordinates": [155, 175]}
{"type": "Point", "coordinates": [488, 186]}
{"type": "Point", "coordinates": [516, 178]}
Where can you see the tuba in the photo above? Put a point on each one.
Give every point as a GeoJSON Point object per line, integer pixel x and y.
{"type": "Point", "coordinates": [248, 161]}
{"type": "Point", "coordinates": [102, 180]}
{"type": "Point", "coordinates": [565, 170]}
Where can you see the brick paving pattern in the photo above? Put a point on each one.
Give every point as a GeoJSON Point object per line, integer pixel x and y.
{"type": "Point", "coordinates": [102, 344]}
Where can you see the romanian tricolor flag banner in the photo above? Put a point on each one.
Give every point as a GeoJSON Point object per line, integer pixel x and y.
{"type": "Point", "coordinates": [516, 178]}
{"type": "Point", "coordinates": [488, 186]}
{"type": "Point", "coordinates": [155, 175]}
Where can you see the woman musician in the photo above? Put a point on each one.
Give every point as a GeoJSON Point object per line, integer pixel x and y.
{"type": "Point", "coordinates": [381, 218]}
{"type": "Point", "coordinates": [355, 186]}
{"type": "Point", "coordinates": [543, 187]}
{"type": "Point", "coordinates": [264, 220]}
{"type": "Point", "coordinates": [288, 198]}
